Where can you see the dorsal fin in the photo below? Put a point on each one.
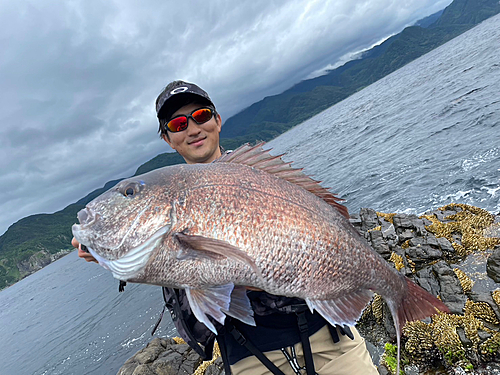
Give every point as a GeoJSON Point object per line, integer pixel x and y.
{"type": "Point", "coordinates": [257, 157]}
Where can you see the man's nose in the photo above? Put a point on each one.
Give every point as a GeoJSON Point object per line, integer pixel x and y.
{"type": "Point", "coordinates": [193, 128]}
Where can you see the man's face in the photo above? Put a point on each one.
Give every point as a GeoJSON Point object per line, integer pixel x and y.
{"type": "Point", "coordinates": [198, 143]}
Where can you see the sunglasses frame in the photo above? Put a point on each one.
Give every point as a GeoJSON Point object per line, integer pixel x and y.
{"type": "Point", "coordinates": [190, 116]}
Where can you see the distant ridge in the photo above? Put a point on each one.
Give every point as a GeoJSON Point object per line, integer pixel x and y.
{"type": "Point", "coordinates": [37, 236]}
{"type": "Point", "coordinates": [274, 115]}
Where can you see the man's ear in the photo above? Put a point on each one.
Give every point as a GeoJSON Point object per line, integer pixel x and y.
{"type": "Point", "coordinates": [218, 120]}
{"type": "Point", "coordinates": [166, 139]}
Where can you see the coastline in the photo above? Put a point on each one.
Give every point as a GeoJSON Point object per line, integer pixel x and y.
{"type": "Point", "coordinates": [36, 262]}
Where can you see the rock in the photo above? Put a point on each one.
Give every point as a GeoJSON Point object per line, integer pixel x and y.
{"type": "Point", "coordinates": [162, 357]}
{"type": "Point", "coordinates": [143, 370]}
{"type": "Point", "coordinates": [424, 241]}
{"type": "Point", "coordinates": [466, 342]}
{"type": "Point", "coordinates": [493, 265]}
{"type": "Point", "coordinates": [355, 220]}
{"type": "Point", "coordinates": [379, 244]}
{"type": "Point", "coordinates": [34, 263]}
{"type": "Point", "coordinates": [128, 368]}
{"type": "Point", "coordinates": [389, 231]}
{"type": "Point", "coordinates": [421, 253]}
{"type": "Point", "coordinates": [405, 235]}
{"type": "Point", "coordinates": [60, 254]}
{"type": "Point", "coordinates": [391, 237]}
{"type": "Point", "coordinates": [451, 291]}
{"type": "Point", "coordinates": [182, 349]}
{"type": "Point", "coordinates": [382, 370]}
{"type": "Point", "coordinates": [159, 342]}
{"type": "Point", "coordinates": [404, 222]}
{"type": "Point", "coordinates": [428, 280]}
{"type": "Point", "coordinates": [190, 363]}
{"type": "Point", "coordinates": [442, 215]}
{"type": "Point", "coordinates": [369, 219]}
{"type": "Point", "coordinates": [216, 368]}
{"type": "Point", "coordinates": [445, 245]}
{"type": "Point", "coordinates": [149, 354]}
{"type": "Point", "coordinates": [401, 222]}
{"type": "Point", "coordinates": [169, 364]}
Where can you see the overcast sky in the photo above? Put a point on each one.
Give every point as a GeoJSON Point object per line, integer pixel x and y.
{"type": "Point", "coordinates": [78, 79]}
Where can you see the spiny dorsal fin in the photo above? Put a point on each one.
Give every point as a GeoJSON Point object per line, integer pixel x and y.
{"type": "Point", "coordinates": [257, 157]}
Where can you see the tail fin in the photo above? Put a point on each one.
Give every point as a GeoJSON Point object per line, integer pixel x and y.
{"type": "Point", "coordinates": [416, 304]}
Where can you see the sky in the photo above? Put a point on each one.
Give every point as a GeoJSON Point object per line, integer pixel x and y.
{"type": "Point", "coordinates": [78, 78]}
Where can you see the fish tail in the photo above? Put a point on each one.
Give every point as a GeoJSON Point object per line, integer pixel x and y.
{"type": "Point", "coordinates": [416, 304]}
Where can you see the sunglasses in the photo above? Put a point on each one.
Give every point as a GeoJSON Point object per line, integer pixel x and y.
{"type": "Point", "coordinates": [180, 123]}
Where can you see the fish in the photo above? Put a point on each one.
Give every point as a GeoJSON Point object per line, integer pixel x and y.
{"type": "Point", "coordinates": [247, 220]}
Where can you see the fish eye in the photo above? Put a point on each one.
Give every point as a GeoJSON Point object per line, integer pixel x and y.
{"type": "Point", "coordinates": [130, 190]}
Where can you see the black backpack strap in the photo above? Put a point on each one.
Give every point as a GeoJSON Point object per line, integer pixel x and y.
{"type": "Point", "coordinates": [240, 339]}
{"type": "Point", "coordinates": [223, 351]}
{"type": "Point", "coordinates": [306, 344]}
{"type": "Point", "coordinates": [205, 353]}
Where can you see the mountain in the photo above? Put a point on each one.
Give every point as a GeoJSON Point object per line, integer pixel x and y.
{"type": "Point", "coordinates": [467, 12]}
{"type": "Point", "coordinates": [429, 20]}
{"type": "Point", "coordinates": [34, 241]}
{"type": "Point", "coordinates": [278, 113]}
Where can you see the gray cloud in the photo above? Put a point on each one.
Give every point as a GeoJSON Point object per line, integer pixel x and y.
{"type": "Point", "coordinates": [78, 79]}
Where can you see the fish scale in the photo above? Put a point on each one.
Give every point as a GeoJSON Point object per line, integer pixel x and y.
{"type": "Point", "coordinates": [247, 220]}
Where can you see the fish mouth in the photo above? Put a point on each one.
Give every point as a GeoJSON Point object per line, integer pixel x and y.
{"type": "Point", "coordinates": [87, 217]}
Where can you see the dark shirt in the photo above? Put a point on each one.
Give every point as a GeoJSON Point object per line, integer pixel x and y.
{"type": "Point", "coordinates": [276, 323]}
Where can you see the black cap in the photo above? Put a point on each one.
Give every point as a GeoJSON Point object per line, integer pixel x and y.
{"type": "Point", "coordinates": [171, 96]}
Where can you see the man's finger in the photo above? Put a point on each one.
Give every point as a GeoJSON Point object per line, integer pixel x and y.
{"type": "Point", "coordinates": [87, 256]}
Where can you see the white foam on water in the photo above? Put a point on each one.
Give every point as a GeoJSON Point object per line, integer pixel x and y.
{"type": "Point", "coordinates": [479, 159]}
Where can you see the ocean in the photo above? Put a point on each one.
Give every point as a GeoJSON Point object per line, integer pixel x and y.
{"type": "Point", "coordinates": [424, 136]}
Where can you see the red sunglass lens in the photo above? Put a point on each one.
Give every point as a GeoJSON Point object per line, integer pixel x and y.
{"type": "Point", "coordinates": [177, 124]}
{"type": "Point", "coordinates": [202, 115]}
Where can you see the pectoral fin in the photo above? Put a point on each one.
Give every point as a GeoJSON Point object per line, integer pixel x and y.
{"type": "Point", "coordinates": [212, 301]}
{"type": "Point", "coordinates": [209, 248]}
{"type": "Point", "coordinates": [240, 307]}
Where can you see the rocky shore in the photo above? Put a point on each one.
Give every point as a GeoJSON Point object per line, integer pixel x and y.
{"type": "Point", "coordinates": [39, 260]}
{"type": "Point", "coordinates": [453, 252]}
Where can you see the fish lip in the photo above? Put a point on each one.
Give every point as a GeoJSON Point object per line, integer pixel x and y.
{"type": "Point", "coordinates": [78, 230]}
{"type": "Point", "coordinates": [87, 217]}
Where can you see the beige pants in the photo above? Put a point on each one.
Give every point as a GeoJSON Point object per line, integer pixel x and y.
{"type": "Point", "coordinates": [347, 357]}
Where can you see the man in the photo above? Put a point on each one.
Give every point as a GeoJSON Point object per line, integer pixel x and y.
{"type": "Point", "coordinates": [287, 338]}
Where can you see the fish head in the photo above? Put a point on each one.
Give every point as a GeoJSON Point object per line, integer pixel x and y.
{"type": "Point", "coordinates": [126, 221]}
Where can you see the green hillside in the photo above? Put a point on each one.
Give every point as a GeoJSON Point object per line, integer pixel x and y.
{"type": "Point", "coordinates": [38, 236]}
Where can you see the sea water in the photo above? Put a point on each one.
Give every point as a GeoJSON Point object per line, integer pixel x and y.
{"type": "Point", "coordinates": [422, 137]}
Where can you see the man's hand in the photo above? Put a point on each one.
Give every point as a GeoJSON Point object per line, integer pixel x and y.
{"type": "Point", "coordinates": [82, 254]}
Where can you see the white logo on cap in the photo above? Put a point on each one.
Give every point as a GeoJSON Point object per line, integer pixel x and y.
{"type": "Point", "coordinates": [178, 90]}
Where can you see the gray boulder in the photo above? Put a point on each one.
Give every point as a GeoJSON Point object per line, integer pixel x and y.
{"type": "Point", "coordinates": [493, 265]}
